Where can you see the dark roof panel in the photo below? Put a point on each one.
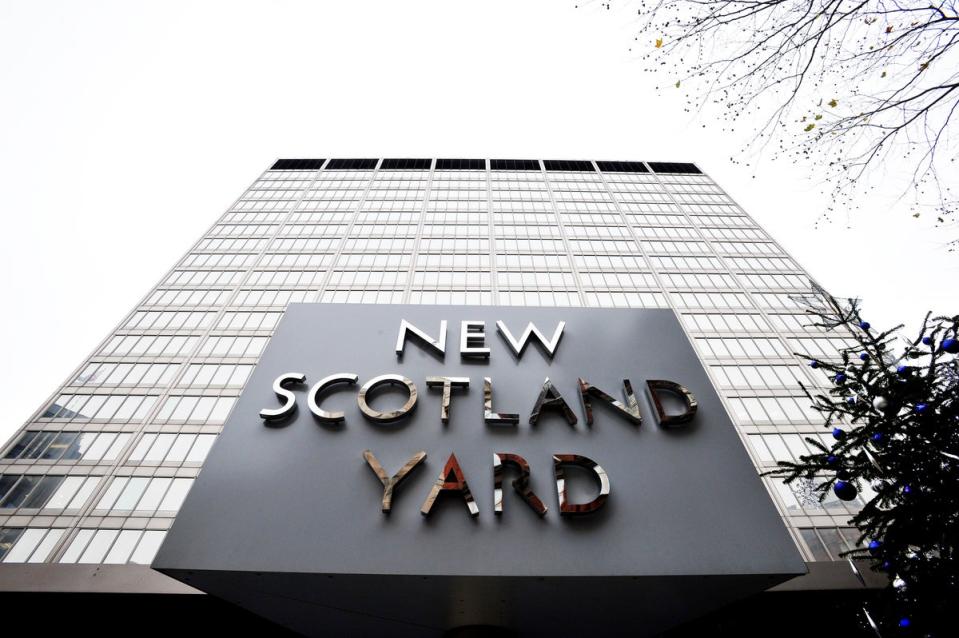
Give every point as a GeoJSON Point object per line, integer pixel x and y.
{"type": "Point", "coordinates": [568, 165]}
{"type": "Point", "coordinates": [297, 165]}
{"type": "Point", "coordinates": [622, 167]}
{"type": "Point", "coordinates": [673, 167]}
{"type": "Point", "coordinates": [513, 165]}
{"type": "Point", "coordinates": [461, 165]}
{"type": "Point", "coordinates": [351, 164]}
{"type": "Point", "coordinates": [405, 164]}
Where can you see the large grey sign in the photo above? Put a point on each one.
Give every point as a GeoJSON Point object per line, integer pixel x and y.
{"type": "Point", "coordinates": [287, 517]}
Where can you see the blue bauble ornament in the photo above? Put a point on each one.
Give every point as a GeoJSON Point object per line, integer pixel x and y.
{"type": "Point", "coordinates": [813, 364]}
{"type": "Point", "coordinates": [950, 345]}
{"type": "Point", "coordinates": [886, 566]}
{"type": "Point", "coordinates": [904, 622]}
{"type": "Point", "coordinates": [907, 490]}
{"type": "Point", "coordinates": [844, 491]}
{"type": "Point", "coordinates": [838, 434]}
{"type": "Point", "coordinates": [864, 356]}
{"type": "Point", "coordinates": [921, 407]}
{"type": "Point", "coordinates": [874, 545]}
{"type": "Point", "coordinates": [864, 325]}
{"type": "Point", "coordinates": [839, 378]}
{"type": "Point", "coordinates": [831, 459]}
{"type": "Point", "coordinates": [851, 400]}
{"type": "Point", "coordinates": [927, 341]}
{"type": "Point", "coordinates": [902, 370]}
{"type": "Point", "coordinates": [877, 437]}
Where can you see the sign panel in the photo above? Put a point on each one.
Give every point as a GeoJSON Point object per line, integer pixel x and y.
{"type": "Point", "coordinates": [414, 468]}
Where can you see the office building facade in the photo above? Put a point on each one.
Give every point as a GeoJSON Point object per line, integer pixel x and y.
{"type": "Point", "coordinates": [91, 483]}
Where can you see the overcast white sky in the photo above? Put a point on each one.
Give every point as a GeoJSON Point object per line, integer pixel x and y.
{"type": "Point", "coordinates": [127, 128]}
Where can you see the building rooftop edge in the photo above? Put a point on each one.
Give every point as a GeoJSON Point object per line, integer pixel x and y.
{"type": "Point", "coordinates": [607, 166]}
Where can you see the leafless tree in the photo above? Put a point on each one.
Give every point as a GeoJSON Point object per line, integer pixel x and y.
{"type": "Point", "coordinates": [853, 87]}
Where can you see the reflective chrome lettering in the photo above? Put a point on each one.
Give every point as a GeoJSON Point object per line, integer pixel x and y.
{"type": "Point", "coordinates": [551, 399]}
{"type": "Point", "coordinates": [391, 415]}
{"type": "Point", "coordinates": [630, 411]}
{"type": "Point", "coordinates": [451, 479]}
{"type": "Point", "coordinates": [519, 345]}
{"type": "Point", "coordinates": [289, 406]}
{"type": "Point", "coordinates": [473, 339]}
{"type": "Point", "coordinates": [439, 344]}
{"type": "Point", "coordinates": [570, 509]}
{"type": "Point", "coordinates": [520, 484]}
{"type": "Point", "coordinates": [653, 386]}
{"type": "Point", "coordinates": [390, 482]}
{"type": "Point", "coordinates": [322, 384]}
{"type": "Point", "coordinates": [494, 418]}
{"type": "Point", "coordinates": [447, 383]}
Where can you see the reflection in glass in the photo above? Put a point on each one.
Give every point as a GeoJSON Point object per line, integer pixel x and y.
{"type": "Point", "coordinates": [41, 494]}
{"type": "Point", "coordinates": [20, 491]}
{"type": "Point", "coordinates": [21, 445]}
{"type": "Point", "coordinates": [8, 536]}
{"type": "Point", "coordinates": [61, 444]}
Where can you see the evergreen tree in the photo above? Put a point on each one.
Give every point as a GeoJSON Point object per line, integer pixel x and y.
{"type": "Point", "coordinates": [893, 409]}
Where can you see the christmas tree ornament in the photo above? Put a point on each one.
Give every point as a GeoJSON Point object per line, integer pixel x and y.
{"type": "Point", "coordinates": [844, 490]}
{"type": "Point", "coordinates": [902, 370]}
{"type": "Point", "coordinates": [927, 341]}
{"type": "Point", "coordinates": [877, 437]}
{"type": "Point", "coordinates": [864, 325]}
{"type": "Point", "coordinates": [904, 622]}
{"type": "Point", "coordinates": [907, 490]}
{"type": "Point", "coordinates": [874, 545]}
{"type": "Point", "coordinates": [864, 356]}
{"type": "Point", "coordinates": [950, 345]}
{"type": "Point", "coordinates": [839, 378]}
{"type": "Point", "coordinates": [813, 364]}
{"type": "Point", "coordinates": [921, 407]}
{"type": "Point", "coordinates": [880, 403]}
{"type": "Point", "coordinates": [838, 434]}
{"type": "Point", "coordinates": [831, 459]}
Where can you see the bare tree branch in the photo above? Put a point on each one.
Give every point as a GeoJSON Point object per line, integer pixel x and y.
{"type": "Point", "coordinates": [845, 85]}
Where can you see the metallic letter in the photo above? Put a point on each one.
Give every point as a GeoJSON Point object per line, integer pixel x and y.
{"type": "Point", "coordinates": [518, 346]}
{"type": "Point", "coordinates": [681, 391]}
{"type": "Point", "coordinates": [289, 405]}
{"type": "Point", "coordinates": [630, 410]}
{"type": "Point", "coordinates": [389, 484]}
{"type": "Point", "coordinates": [447, 383]}
{"type": "Point", "coordinates": [444, 484]}
{"type": "Point", "coordinates": [392, 415]}
{"type": "Point", "coordinates": [472, 338]}
{"type": "Point", "coordinates": [494, 418]}
{"type": "Point", "coordinates": [551, 399]}
{"type": "Point", "coordinates": [521, 484]}
{"type": "Point", "coordinates": [437, 344]}
{"type": "Point", "coordinates": [569, 509]}
{"type": "Point", "coordinates": [322, 384]}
